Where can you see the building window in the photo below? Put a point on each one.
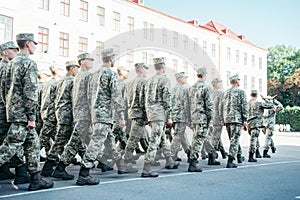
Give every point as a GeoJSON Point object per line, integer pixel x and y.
{"type": "Point", "coordinates": [83, 44]}
{"type": "Point", "coordinates": [185, 42]}
{"type": "Point", "coordinates": [245, 82]}
{"type": "Point", "coordinates": [64, 44]}
{"type": "Point", "coordinates": [175, 65]}
{"type": "Point", "coordinates": [213, 50]}
{"type": "Point", "coordinates": [99, 49]}
{"type": "Point", "coordinates": [237, 56]}
{"type": "Point", "coordinates": [252, 83]}
{"type": "Point", "coordinates": [44, 4]}
{"type": "Point", "coordinates": [65, 8]}
{"type": "Point", "coordinates": [260, 85]}
{"type": "Point", "coordinates": [175, 39]}
{"type": "Point", "coordinates": [260, 63]}
{"type": "Point", "coordinates": [164, 36]}
{"type": "Point", "coordinates": [116, 21]}
{"type": "Point", "coordinates": [5, 28]}
{"type": "Point", "coordinates": [101, 16]}
{"type": "Point", "coordinates": [253, 61]}
{"type": "Point", "coordinates": [84, 11]}
{"type": "Point", "coordinates": [131, 25]}
{"type": "Point", "coordinates": [43, 40]}
{"type": "Point", "coordinates": [144, 57]}
{"type": "Point", "coordinates": [195, 44]}
{"type": "Point", "coordinates": [145, 29]}
{"type": "Point", "coordinates": [151, 56]}
{"type": "Point", "coordinates": [185, 67]}
{"type": "Point", "coordinates": [245, 59]}
{"type": "Point", "coordinates": [130, 58]}
{"type": "Point", "coordinates": [204, 46]}
{"type": "Point", "coordinates": [228, 76]}
{"type": "Point", "coordinates": [151, 32]}
{"type": "Point", "coordinates": [228, 54]}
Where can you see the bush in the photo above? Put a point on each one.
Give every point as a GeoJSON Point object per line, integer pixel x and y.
{"type": "Point", "coordinates": [289, 115]}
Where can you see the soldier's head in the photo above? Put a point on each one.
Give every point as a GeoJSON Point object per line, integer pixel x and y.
{"type": "Point", "coordinates": [108, 57]}
{"type": "Point", "coordinates": [85, 61]}
{"type": "Point", "coordinates": [217, 83]}
{"type": "Point", "coordinates": [181, 77]}
{"type": "Point", "coordinates": [235, 80]}
{"type": "Point", "coordinates": [123, 72]}
{"type": "Point", "coordinates": [201, 73]}
{"type": "Point", "coordinates": [26, 43]}
{"type": "Point", "coordinates": [254, 94]}
{"type": "Point", "coordinates": [8, 50]}
{"type": "Point", "coordinates": [159, 64]}
{"type": "Point", "coordinates": [72, 67]}
{"type": "Point", "coordinates": [141, 69]}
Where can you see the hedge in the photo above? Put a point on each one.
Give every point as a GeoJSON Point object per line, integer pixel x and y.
{"type": "Point", "coordinates": [289, 115]}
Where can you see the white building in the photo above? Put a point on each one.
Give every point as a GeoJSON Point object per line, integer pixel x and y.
{"type": "Point", "coordinates": [65, 28]}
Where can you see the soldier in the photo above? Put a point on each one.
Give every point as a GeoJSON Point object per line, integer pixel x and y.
{"type": "Point", "coordinates": [255, 122]}
{"type": "Point", "coordinates": [21, 102]}
{"type": "Point", "coordinates": [64, 116]}
{"type": "Point", "coordinates": [104, 94]}
{"type": "Point", "coordinates": [158, 109]}
{"type": "Point", "coordinates": [82, 118]}
{"type": "Point", "coordinates": [181, 116]}
{"type": "Point", "coordinates": [217, 119]}
{"type": "Point", "coordinates": [235, 116]}
{"type": "Point", "coordinates": [135, 92]}
{"type": "Point", "coordinates": [201, 108]}
{"type": "Point", "coordinates": [269, 123]}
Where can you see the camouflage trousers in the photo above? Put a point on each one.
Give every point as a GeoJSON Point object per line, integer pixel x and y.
{"type": "Point", "coordinates": [137, 131]}
{"type": "Point", "coordinates": [102, 132]}
{"type": "Point", "coordinates": [179, 139]}
{"type": "Point", "coordinates": [269, 132]}
{"type": "Point", "coordinates": [234, 133]}
{"type": "Point", "coordinates": [157, 138]}
{"type": "Point", "coordinates": [48, 132]}
{"type": "Point", "coordinates": [200, 137]}
{"type": "Point", "coordinates": [120, 136]}
{"type": "Point", "coordinates": [78, 141]}
{"type": "Point", "coordinates": [215, 134]}
{"type": "Point", "coordinates": [3, 130]}
{"type": "Point", "coordinates": [19, 137]}
{"type": "Point", "coordinates": [254, 134]}
{"type": "Point", "coordinates": [62, 137]}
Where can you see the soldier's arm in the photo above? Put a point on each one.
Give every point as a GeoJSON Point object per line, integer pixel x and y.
{"type": "Point", "coordinates": [187, 104]}
{"type": "Point", "coordinates": [116, 96]}
{"type": "Point", "coordinates": [166, 98]}
{"type": "Point", "coordinates": [208, 105]}
{"type": "Point", "coordinates": [244, 106]}
{"type": "Point", "coordinates": [2, 85]}
{"type": "Point", "coordinates": [278, 105]}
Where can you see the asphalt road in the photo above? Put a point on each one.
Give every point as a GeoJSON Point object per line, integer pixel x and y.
{"type": "Point", "coordinates": [274, 178]}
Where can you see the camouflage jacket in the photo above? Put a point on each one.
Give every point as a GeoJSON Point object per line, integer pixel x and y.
{"type": "Point", "coordinates": [22, 96]}
{"type": "Point", "coordinates": [122, 86]}
{"type": "Point", "coordinates": [217, 98]}
{"type": "Point", "coordinates": [181, 104]}
{"type": "Point", "coordinates": [81, 108]}
{"type": "Point", "coordinates": [201, 103]}
{"type": "Point", "coordinates": [103, 94]}
{"type": "Point", "coordinates": [48, 101]}
{"type": "Point", "coordinates": [3, 65]}
{"type": "Point", "coordinates": [63, 100]}
{"type": "Point", "coordinates": [270, 114]}
{"type": "Point", "coordinates": [256, 109]}
{"type": "Point", "coordinates": [158, 98]}
{"type": "Point", "coordinates": [235, 106]}
{"type": "Point", "coordinates": [38, 109]}
{"type": "Point", "coordinates": [5, 79]}
{"type": "Point", "coordinates": [135, 93]}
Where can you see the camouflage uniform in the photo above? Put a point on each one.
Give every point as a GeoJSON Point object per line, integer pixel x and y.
{"type": "Point", "coordinates": [21, 102]}
{"type": "Point", "coordinates": [39, 121]}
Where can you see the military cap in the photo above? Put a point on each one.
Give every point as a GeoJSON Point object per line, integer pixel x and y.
{"type": "Point", "coordinates": [140, 65]}
{"type": "Point", "coordinates": [84, 56]}
{"type": "Point", "coordinates": [181, 75]}
{"type": "Point", "coordinates": [201, 71]}
{"type": "Point", "coordinates": [160, 60]}
{"type": "Point", "coordinates": [8, 45]}
{"type": "Point", "coordinates": [216, 80]}
{"type": "Point", "coordinates": [27, 37]}
{"type": "Point", "coordinates": [234, 77]}
{"type": "Point", "coordinates": [72, 63]}
{"type": "Point", "coordinates": [254, 92]}
{"type": "Point", "coordinates": [108, 53]}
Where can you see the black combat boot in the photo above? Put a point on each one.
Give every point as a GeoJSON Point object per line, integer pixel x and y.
{"type": "Point", "coordinates": [251, 159]}
{"type": "Point", "coordinates": [37, 183]}
{"type": "Point", "coordinates": [48, 168]}
{"type": "Point", "coordinates": [265, 154]}
{"type": "Point", "coordinates": [74, 161]}
{"type": "Point", "coordinates": [230, 163]}
{"type": "Point", "coordinates": [193, 166]}
{"type": "Point", "coordinates": [125, 168]}
{"type": "Point", "coordinates": [5, 174]}
{"type": "Point", "coordinates": [273, 149]}
{"type": "Point", "coordinates": [84, 177]}
{"type": "Point", "coordinates": [223, 153]}
{"type": "Point", "coordinates": [147, 173]}
{"type": "Point", "coordinates": [60, 172]}
{"type": "Point", "coordinates": [212, 159]}
{"type": "Point", "coordinates": [104, 167]}
{"type": "Point", "coordinates": [170, 164]}
{"type": "Point", "coordinates": [240, 158]}
{"type": "Point", "coordinates": [188, 153]}
{"type": "Point", "coordinates": [176, 158]}
{"type": "Point", "coordinates": [257, 153]}
{"type": "Point", "coordinates": [21, 175]}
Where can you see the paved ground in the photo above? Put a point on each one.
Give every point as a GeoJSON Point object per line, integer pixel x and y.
{"type": "Point", "coordinates": [275, 178]}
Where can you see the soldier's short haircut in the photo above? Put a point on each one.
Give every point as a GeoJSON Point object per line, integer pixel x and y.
{"type": "Point", "coordinates": [106, 59]}
{"type": "Point", "coordinates": [21, 43]}
{"type": "Point", "coordinates": [200, 75]}
{"type": "Point", "coordinates": [158, 66]}
{"type": "Point", "coordinates": [253, 94]}
{"type": "Point", "coordinates": [69, 67]}
{"type": "Point", "coordinates": [233, 81]}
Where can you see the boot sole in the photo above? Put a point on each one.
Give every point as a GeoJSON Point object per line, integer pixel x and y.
{"type": "Point", "coordinates": [144, 175]}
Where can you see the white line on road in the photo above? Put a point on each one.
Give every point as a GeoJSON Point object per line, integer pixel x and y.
{"type": "Point", "coordinates": [161, 176]}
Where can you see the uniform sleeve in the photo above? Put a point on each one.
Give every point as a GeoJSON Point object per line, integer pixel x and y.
{"type": "Point", "coordinates": [2, 85]}
{"type": "Point", "coordinates": [208, 105]}
{"type": "Point", "coordinates": [116, 96]}
{"type": "Point", "coordinates": [167, 98]}
{"type": "Point", "coordinates": [30, 91]}
{"type": "Point", "coordinates": [244, 106]}
{"type": "Point", "coordinates": [187, 104]}
{"type": "Point", "coordinates": [221, 105]}
{"type": "Point", "coordinates": [142, 96]}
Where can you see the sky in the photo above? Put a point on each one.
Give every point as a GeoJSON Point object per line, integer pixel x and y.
{"type": "Point", "coordinates": [265, 23]}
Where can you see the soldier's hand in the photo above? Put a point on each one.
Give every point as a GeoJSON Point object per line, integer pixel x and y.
{"type": "Point", "coordinates": [122, 123]}
{"type": "Point", "coordinates": [170, 122]}
{"type": "Point", "coordinates": [31, 125]}
{"type": "Point", "coordinates": [210, 126]}
{"type": "Point", "coordinates": [245, 124]}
